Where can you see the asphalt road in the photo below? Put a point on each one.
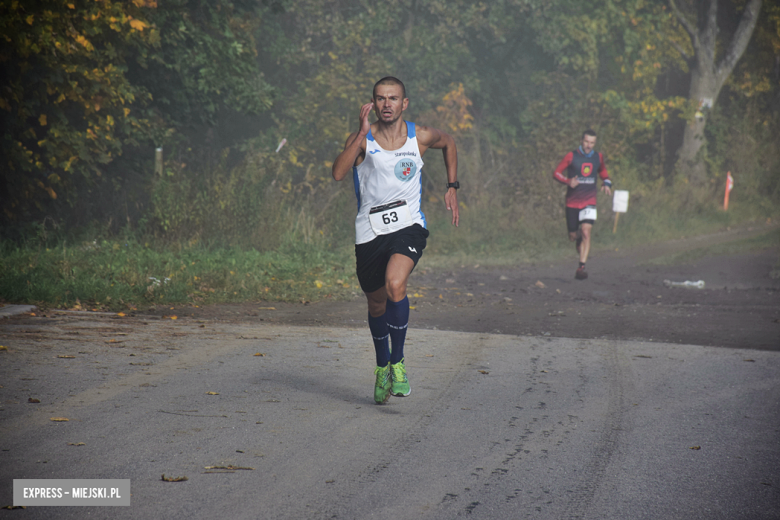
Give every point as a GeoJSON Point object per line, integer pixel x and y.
{"type": "Point", "coordinates": [497, 426]}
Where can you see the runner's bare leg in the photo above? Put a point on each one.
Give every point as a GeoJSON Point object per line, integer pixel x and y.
{"type": "Point", "coordinates": [585, 246]}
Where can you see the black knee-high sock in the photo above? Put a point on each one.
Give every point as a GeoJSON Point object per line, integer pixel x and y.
{"type": "Point", "coordinates": [379, 331]}
{"type": "Point", "coordinates": [397, 322]}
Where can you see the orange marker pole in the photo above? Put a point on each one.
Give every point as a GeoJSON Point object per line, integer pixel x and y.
{"type": "Point", "coordinates": [729, 185]}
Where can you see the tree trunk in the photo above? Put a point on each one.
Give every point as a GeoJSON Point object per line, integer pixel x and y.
{"type": "Point", "coordinates": [704, 91]}
{"type": "Point", "coordinates": [707, 78]}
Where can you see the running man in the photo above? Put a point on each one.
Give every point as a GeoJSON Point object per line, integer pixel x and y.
{"type": "Point", "coordinates": [576, 171]}
{"type": "Point", "coordinates": [385, 158]}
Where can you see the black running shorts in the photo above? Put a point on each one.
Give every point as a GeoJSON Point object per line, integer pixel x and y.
{"type": "Point", "coordinates": [372, 257]}
{"type": "Point", "coordinates": [573, 219]}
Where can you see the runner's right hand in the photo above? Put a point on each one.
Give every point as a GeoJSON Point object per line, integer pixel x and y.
{"type": "Point", "coordinates": [365, 126]}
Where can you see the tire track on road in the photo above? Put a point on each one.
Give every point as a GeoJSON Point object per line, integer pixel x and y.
{"type": "Point", "coordinates": [607, 445]}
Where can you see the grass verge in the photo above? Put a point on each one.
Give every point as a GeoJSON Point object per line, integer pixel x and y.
{"type": "Point", "coordinates": [117, 274]}
{"type": "Point", "coordinates": [123, 274]}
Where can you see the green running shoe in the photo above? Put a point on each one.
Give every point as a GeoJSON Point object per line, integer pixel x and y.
{"type": "Point", "coordinates": [401, 386]}
{"type": "Point", "coordinates": [382, 385]}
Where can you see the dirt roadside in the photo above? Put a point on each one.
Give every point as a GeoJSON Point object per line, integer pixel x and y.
{"type": "Point", "coordinates": [624, 298]}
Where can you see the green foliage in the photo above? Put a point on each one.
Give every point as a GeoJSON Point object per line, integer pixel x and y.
{"type": "Point", "coordinates": [86, 82]}
{"type": "Point", "coordinates": [66, 97]}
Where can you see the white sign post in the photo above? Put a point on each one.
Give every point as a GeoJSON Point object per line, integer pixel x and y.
{"type": "Point", "coordinates": [619, 205]}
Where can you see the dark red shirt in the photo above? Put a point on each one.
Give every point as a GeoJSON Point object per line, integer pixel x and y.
{"type": "Point", "coordinates": [584, 167]}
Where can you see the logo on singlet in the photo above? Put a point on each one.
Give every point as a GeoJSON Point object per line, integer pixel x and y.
{"type": "Point", "coordinates": [586, 169]}
{"type": "Point", "coordinates": [405, 169]}
{"type": "Point", "coordinates": [372, 152]}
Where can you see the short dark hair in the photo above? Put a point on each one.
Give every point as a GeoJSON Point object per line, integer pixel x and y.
{"type": "Point", "coordinates": [389, 80]}
{"type": "Point", "coordinates": [589, 132]}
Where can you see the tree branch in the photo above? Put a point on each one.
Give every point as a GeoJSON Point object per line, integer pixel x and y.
{"type": "Point", "coordinates": [687, 25]}
{"type": "Point", "coordinates": [740, 40]}
{"type": "Point", "coordinates": [682, 52]}
{"type": "Point", "coordinates": [709, 35]}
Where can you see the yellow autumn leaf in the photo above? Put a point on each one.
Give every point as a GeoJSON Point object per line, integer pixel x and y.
{"type": "Point", "coordinates": [59, 419]}
{"type": "Point", "coordinates": [71, 6]}
{"type": "Point", "coordinates": [120, 314]}
{"type": "Point", "coordinates": [138, 25]}
{"type": "Point", "coordinates": [318, 284]}
{"type": "Point", "coordinates": [212, 393]}
{"type": "Point", "coordinates": [84, 42]}
{"type": "Point", "coordinates": [127, 112]}
{"type": "Point", "coordinates": [42, 120]}
{"type": "Point", "coordinates": [30, 19]}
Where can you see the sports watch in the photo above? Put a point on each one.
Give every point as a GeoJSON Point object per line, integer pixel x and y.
{"type": "Point", "coordinates": [455, 185]}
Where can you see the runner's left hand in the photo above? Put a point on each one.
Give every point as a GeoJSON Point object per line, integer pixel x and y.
{"type": "Point", "coordinates": [451, 200]}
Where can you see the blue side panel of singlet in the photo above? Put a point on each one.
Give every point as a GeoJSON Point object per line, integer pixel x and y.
{"type": "Point", "coordinates": [356, 181]}
{"type": "Point", "coordinates": [425, 222]}
{"type": "Point", "coordinates": [411, 132]}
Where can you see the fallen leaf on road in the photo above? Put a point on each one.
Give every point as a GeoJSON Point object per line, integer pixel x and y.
{"type": "Point", "coordinates": [174, 317]}
{"type": "Point", "coordinates": [330, 481]}
{"type": "Point", "coordinates": [120, 314]}
{"type": "Point", "coordinates": [212, 393]}
{"type": "Point", "coordinates": [695, 447]}
{"type": "Point", "coordinates": [259, 354]}
{"type": "Point", "coordinates": [266, 308]}
{"type": "Point", "coordinates": [66, 357]}
{"type": "Point", "coordinates": [173, 479]}
{"type": "Point", "coordinates": [750, 360]}
{"type": "Point", "coordinates": [484, 372]}
{"type": "Point", "coordinates": [76, 444]}
{"type": "Point", "coordinates": [539, 284]}
{"type": "Point", "coordinates": [3, 347]}
{"type": "Point", "coordinates": [33, 400]}
{"type": "Point", "coordinates": [59, 419]}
